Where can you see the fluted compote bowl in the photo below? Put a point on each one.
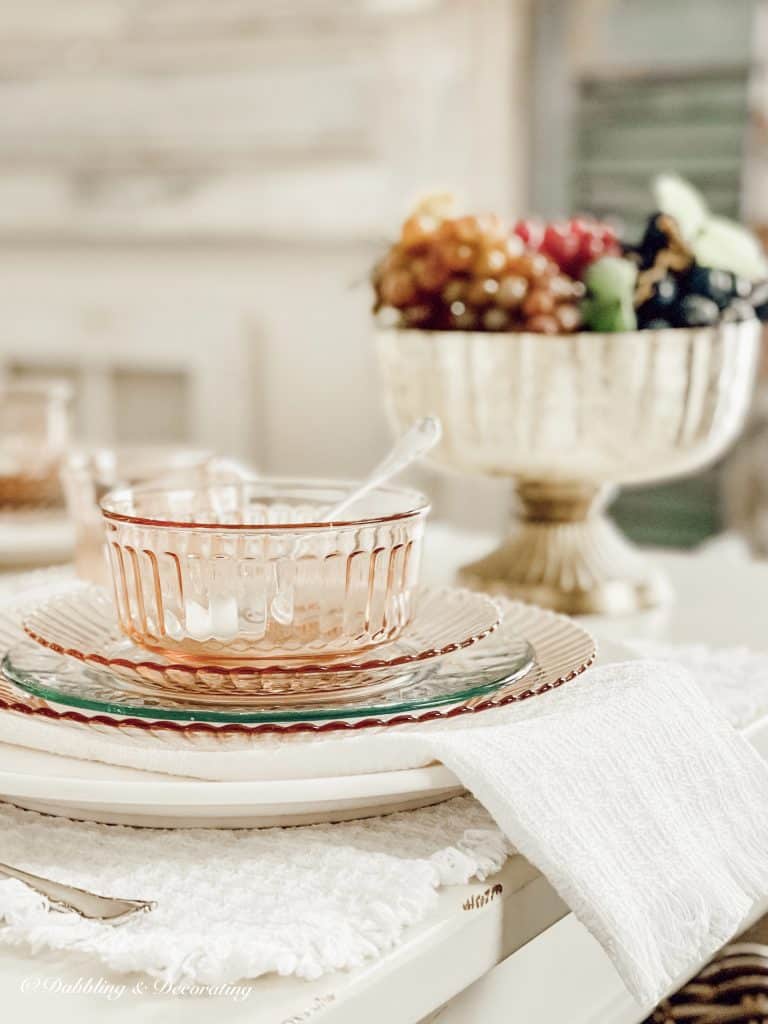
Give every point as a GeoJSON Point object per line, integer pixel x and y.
{"type": "Point", "coordinates": [567, 418]}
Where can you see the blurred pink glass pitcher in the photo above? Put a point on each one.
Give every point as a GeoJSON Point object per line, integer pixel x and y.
{"type": "Point", "coordinates": [88, 474]}
{"type": "Point", "coordinates": [34, 433]}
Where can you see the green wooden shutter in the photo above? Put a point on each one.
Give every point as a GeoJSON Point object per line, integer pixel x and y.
{"type": "Point", "coordinates": [628, 130]}
{"type": "Point", "coordinates": [631, 128]}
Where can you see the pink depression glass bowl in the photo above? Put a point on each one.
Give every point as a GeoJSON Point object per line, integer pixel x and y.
{"type": "Point", "coordinates": [196, 570]}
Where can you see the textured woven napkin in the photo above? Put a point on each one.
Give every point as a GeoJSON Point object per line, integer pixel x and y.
{"type": "Point", "coordinates": [641, 805]}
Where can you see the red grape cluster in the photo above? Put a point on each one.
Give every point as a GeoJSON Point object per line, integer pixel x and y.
{"type": "Point", "coordinates": [473, 273]}
{"type": "Point", "coordinates": [573, 244]}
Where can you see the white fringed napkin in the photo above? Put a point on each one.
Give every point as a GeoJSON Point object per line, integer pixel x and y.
{"type": "Point", "coordinates": [234, 904]}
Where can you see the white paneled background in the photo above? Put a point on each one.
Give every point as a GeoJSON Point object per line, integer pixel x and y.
{"type": "Point", "coordinates": [192, 193]}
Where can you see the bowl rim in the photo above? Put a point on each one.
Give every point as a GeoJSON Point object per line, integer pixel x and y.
{"type": "Point", "coordinates": [419, 505]}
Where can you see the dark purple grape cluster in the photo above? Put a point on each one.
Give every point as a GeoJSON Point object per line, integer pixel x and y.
{"type": "Point", "coordinates": [675, 291]}
{"type": "Point", "coordinates": [697, 297]}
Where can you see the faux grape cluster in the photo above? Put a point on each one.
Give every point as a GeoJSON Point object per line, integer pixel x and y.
{"type": "Point", "coordinates": [473, 273]}
{"type": "Point", "coordinates": [673, 290]}
{"type": "Point", "coordinates": [477, 273]}
{"type": "Point", "coordinates": [573, 244]}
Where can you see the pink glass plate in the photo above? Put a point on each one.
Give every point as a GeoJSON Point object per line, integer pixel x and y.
{"type": "Point", "coordinates": [562, 651]}
{"type": "Point", "coordinates": [79, 621]}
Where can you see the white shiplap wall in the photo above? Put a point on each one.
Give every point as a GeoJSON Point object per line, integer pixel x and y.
{"type": "Point", "coordinates": [192, 190]}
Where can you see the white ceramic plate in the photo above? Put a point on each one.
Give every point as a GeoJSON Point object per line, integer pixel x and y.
{"type": "Point", "coordinates": [91, 791]}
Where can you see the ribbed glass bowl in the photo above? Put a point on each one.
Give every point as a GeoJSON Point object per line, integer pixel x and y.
{"type": "Point", "coordinates": [575, 409]}
{"type": "Point", "coordinates": [246, 571]}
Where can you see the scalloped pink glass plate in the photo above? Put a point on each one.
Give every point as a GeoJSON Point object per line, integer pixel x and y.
{"type": "Point", "coordinates": [562, 651]}
{"type": "Point", "coordinates": [79, 621]}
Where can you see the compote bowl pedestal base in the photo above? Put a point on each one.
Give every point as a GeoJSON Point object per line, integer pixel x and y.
{"type": "Point", "coordinates": [565, 554]}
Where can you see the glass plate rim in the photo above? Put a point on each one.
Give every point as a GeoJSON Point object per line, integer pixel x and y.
{"type": "Point", "coordinates": [337, 665]}
{"type": "Point", "coordinates": [521, 666]}
{"type": "Point", "coordinates": [552, 669]}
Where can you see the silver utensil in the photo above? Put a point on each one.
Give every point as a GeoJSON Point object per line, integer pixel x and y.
{"type": "Point", "coordinates": [409, 447]}
{"type": "Point", "coordinates": [420, 438]}
{"type": "Point", "coordinates": [80, 901]}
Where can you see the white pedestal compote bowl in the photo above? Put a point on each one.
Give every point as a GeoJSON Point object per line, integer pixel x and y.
{"type": "Point", "coordinates": [567, 418]}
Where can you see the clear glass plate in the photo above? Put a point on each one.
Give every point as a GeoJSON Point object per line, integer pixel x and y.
{"type": "Point", "coordinates": [502, 659]}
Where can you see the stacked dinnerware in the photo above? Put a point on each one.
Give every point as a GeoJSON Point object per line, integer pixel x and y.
{"type": "Point", "coordinates": [235, 611]}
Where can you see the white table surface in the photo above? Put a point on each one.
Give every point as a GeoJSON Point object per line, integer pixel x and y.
{"type": "Point", "coordinates": [446, 970]}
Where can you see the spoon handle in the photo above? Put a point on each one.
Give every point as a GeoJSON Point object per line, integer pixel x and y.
{"type": "Point", "coordinates": [68, 897]}
{"type": "Point", "coordinates": [415, 443]}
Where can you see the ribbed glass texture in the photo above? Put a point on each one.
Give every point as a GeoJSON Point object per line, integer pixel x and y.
{"type": "Point", "coordinates": [241, 572]}
{"type": "Point", "coordinates": [588, 408]}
